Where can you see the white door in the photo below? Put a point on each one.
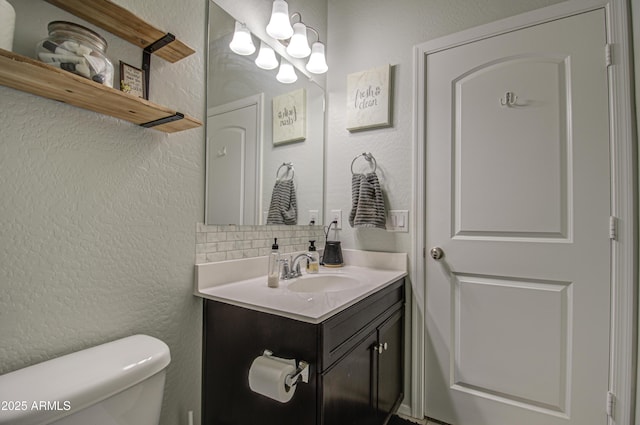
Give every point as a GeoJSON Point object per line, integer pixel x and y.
{"type": "Point", "coordinates": [518, 199]}
{"type": "Point", "coordinates": [232, 155]}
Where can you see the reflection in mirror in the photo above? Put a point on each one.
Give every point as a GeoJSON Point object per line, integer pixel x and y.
{"type": "Point", "coordinates": [246, 108]}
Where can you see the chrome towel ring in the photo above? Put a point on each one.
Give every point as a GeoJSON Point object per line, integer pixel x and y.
{"type": "Point", "coordinates": [289, 168]}
{"type": "Point", "coordinates": [369, 157]}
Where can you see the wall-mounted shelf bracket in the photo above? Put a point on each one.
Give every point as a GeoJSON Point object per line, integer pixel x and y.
{"type": "Point", "coordinates": [177, 116]}
{"type": "Point", "coordinates": [146, 57]}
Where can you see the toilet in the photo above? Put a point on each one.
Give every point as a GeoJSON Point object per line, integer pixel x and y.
{"type": "Point", "coordinates": [117, 383]}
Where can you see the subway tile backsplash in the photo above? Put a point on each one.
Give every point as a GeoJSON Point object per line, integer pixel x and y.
{"type": "Point", "coordinates": [231, 242]}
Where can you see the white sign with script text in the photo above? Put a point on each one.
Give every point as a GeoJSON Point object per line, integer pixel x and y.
{"type": "Point", "coordinates": [368, 99]}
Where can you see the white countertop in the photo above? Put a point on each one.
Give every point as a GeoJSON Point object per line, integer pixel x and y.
{"type": "Point", "coordinates": [244, 283]}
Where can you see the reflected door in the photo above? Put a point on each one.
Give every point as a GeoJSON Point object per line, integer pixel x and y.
{"type": "Point", "coordinates": [233, 169]}
{"type": "Point", "coordinates": [518, 199]}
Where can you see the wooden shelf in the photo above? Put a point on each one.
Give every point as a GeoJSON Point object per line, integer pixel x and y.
{"type": "Point", "coordinates": [29, 75]}
{"type": "Point", "coordinates": [119, 21]}
{"type": "Point", "coordinates": [32, 76]}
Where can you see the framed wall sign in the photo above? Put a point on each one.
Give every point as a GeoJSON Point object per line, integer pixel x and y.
{"type": "Point", "coordinates": [132, 80]}
{"type": "Point", "coordinates": [369, 99]}
{"type": "Point", "coordinates": [290, 117]}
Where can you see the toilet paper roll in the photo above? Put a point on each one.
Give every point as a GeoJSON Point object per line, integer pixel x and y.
{"type": "Point", "coordinates": [7, 25]}
{"type": "Point", "coordinates": [267, 377]}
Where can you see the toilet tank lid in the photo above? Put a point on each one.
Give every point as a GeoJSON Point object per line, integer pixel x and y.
{"type": "Point", "coordinates": [82, 378]}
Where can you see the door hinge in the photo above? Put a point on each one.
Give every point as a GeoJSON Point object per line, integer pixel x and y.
{"type": "Point", "coordinates": [608, 54]}
{"type": "Point", "coordinates": [611, 401]}
{"type": "Point", "coordinates": [613, 228]}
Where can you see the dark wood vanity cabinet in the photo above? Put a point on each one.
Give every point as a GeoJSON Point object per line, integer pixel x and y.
{"type": "Point", "coordinates": [364, 387]}
{"type": "Point", "coordinates": [356, 363]}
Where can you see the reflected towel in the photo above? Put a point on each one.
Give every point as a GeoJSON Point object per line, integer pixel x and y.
{"type": "Point", "coordinates": [368, 208]}
{"type": "Point", "coordinates": [283, 208]}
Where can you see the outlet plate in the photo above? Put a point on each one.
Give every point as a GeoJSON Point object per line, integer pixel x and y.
{"type": "Point", "coordinates": [313, 216]}
{"type": "Point", "coordinates": [336, 215]}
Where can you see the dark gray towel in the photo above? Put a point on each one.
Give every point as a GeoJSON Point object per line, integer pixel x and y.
{"type": "Point", "coordinates": [283, 208]}
{"type": "Point", "coordinates": [368, 208]}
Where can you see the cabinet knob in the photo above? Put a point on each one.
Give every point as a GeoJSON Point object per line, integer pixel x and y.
{"type": "Point", "coordinates": [382, 347]}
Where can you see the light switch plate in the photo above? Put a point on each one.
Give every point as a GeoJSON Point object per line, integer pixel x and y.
{"type": "Point", "coordinates": [398, 221]}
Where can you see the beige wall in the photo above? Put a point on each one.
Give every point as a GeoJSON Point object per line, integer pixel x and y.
{"type": "Point", "coordinates": [97, 218]}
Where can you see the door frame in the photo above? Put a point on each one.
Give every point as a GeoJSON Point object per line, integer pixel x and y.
{"type": "Point", "coordinates": [624, 248]}
{"type": "Point", "coordinates": [258, 101]}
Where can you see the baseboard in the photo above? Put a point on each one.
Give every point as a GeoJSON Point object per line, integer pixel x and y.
{"type": "Point", "coordinates": [404, 410]}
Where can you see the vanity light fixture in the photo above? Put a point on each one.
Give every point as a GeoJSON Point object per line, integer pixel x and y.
{"type": "Point", "coordinates": [299, 45]}
{"type": "Point", "coordinates": [279, 26]}
{"type": "Point", "coordinates": [317, 62]}
{"type": "Point", "coordinates": [286, 73]}
{"type": "Point", "coordinates": [295, 38]}
{"type": "Point", "coordinates": [241, 43]}
{"type": "Point", "coordinates": [266, 57]}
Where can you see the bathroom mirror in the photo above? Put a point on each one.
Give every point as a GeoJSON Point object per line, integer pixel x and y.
{"type": "Point", "coordinates": [243, 158]}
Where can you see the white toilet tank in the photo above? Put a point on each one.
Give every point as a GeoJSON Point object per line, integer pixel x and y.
{"type": "Point", "coordinates": [117, 383]}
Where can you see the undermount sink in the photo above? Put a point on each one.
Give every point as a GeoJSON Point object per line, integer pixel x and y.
{"type": "Point", "coordinates": [323, 283]}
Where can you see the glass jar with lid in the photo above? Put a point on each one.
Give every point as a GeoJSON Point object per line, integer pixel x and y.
{"type": "Point", "coordinates": [77, 49]}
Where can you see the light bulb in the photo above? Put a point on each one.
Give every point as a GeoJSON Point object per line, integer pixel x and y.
{"type": "Point", "coordinates": [299, 45]}
{"type": "Point", "coordinates": [266, 57]}
{"type": "Point", "coordinates": [317, 62]}
{"type": "Point", "coordinates": [286, 73]}
{"type": "Point", "coordinates": [279, 26]}
{"type": "Point", "coordinates": [242, 43]}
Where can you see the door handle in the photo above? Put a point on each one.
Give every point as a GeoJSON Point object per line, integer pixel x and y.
{"type": "Point", "coordinates": [436, 253]}
{"type": "Point", "coordinates": [382, 347]}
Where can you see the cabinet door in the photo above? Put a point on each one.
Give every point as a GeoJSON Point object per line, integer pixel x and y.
{"type": "Point", "coordinates": [347, 387]}
{"type": "Point", "coordinates": [233, 338]}
{"type": "Point", "coordinates": [390, 353]}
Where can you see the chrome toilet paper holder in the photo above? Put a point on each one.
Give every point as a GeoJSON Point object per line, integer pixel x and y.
{"type": "Point", "coordinates": [301, 373]}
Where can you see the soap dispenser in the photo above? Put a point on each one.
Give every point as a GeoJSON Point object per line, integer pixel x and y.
{"type": "Point", "coordinates": [273, 277]}
{"type": "Point", "coordinates": [313, 262]}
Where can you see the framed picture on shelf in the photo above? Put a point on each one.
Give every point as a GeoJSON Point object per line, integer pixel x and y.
{"type": "Point", "coordinates": [132, 80]}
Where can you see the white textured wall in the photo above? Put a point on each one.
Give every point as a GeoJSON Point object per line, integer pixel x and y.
{"type": "Point", "coordinates": [97, 215]}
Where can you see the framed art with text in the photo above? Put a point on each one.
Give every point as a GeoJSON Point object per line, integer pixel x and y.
{"type": "Point", "coordinates": [369, 99]}
{"type": "Point", "coordinates": [290, 117]}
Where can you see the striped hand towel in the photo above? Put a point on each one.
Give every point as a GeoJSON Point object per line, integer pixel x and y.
{"type": "Point", "coordinates": [283, 208]}
{"type": "Point", "coordinates": [368, 208]}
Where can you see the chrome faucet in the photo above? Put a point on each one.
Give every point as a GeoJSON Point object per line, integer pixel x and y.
{"type": "Point", "coordinates": [291, 271]}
